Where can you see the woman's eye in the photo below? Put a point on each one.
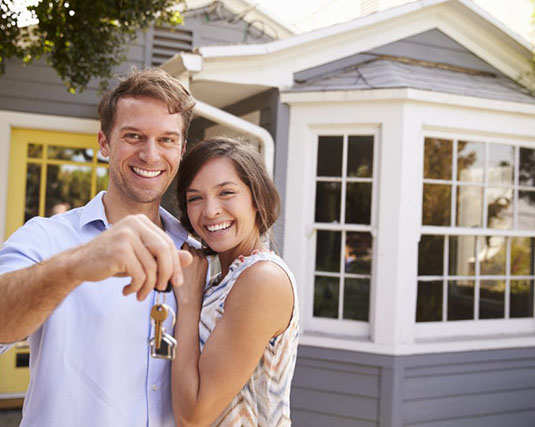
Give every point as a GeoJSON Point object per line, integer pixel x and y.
{"type": "Point", "coordinates": [227, 192]}
{"type": "Point", "coordinates": [193, 199]}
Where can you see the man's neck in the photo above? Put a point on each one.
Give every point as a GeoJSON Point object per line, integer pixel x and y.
{"type": "Point", "coordinates": [116, 209]}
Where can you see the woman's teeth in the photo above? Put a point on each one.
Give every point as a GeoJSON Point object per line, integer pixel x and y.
{"type": "Point", "coordinates": [217, 227]}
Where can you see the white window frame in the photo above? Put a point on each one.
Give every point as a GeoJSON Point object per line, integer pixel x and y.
{"type": "Point", "coordinates": [477, 327]}
{"type": "Point", "coordinates": [338, 327]}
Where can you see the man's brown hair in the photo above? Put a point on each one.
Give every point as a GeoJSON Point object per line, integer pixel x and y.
{"type": "Point", "coordinates": [151, 83]}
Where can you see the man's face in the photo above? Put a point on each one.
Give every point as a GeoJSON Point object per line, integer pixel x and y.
{"type": "Point", "coordinates": [144, 148]}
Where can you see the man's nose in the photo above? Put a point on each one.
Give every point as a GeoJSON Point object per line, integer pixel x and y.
{"type": "Point", "coordinates": [149, 152]}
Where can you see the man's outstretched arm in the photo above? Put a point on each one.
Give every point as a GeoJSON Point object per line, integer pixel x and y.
{"type": "Point", "coordinates": [133, 247]}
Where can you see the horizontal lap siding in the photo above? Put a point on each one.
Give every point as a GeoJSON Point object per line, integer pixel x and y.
{"type": "Point", "coordinates": [473, 392]}
{"type": "Point", "coordinates": [36, 87]}
{"type": "Point", "coordinates": [329, 392]}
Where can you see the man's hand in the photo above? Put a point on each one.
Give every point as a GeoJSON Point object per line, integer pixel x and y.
{"type": "Point", "coordinates": [133, 247]}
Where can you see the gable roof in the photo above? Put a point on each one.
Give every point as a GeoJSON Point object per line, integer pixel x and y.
{"type": "Point", "coordinates": [428, 61]}
{"type": "Point", "coordinates": [274, 63]}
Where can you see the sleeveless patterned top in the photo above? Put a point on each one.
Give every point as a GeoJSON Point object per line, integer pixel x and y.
{"type": "Point", "coordinates": [265, 398]}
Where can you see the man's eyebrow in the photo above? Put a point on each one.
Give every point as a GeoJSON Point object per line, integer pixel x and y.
{"type": "Point", "coordinates": [133, 128]}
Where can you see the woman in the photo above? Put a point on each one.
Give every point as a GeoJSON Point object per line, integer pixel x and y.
{"type": "Point", "coordinates": [246, 320]}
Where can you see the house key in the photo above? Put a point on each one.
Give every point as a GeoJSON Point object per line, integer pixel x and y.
{"type": "Point", "coordinates": [163, 345]}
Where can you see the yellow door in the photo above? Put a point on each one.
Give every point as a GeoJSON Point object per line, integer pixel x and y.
{"type": "Point", "coordinates": [49, 172]}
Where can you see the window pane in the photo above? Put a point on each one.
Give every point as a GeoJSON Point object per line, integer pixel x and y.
{"type": "Point", "coordinates": [328, 196]}
{"type": "Point", "coordinates": [71, 154]}
{"type": "Point", "coordinates": [358, 253]}
{"type": "Point", "coordinates": [462, 255]}
{"type": "Point", "coordinates": [499, 208]}
{"type": "Point", "coordinates": [33, 185]}
{"type": "Point", "coordinates": [492, 255]}
{"type": "Point", "coordinates": [501, 161]}
{"type": "Point", "coordinates": [526, 175]}
{"type": "Point", "coordinates": [360, 156]}
{"type": "Point", "coordinates": [436, 208]}
{"type": "Point", "coordinates": [469, 206]}
{"type": "Point", "coordinates": [437, 160]}
{"type": "Point", "coordinates": [328, 251]}
{"type": "Point", "coordinates": [521, 298]}
{"type": "Point", "coordinates": [461, 300]}
{"type": "Point", "coordinates": [35, 151]}
{"type": "Point", "coordinates": [522, 256]}
{"type": "Point", "coordinates": [330, 155]}
{"type": "Point", "coordinates": [491, 299]}
{"type": "Point", "coordinates": [358, 202]}
{"type": "Point", "coordinates": [470, 161]}
{"type": "Point", "coordinates": [526, 210]}
{"type": "Point", "coordinates": [102, 179]}
{"type": "Point", "coordinates": [67, 187]}
{"type": "Point", "coordinates": [326, 291]}
{"type": "Point", "coordinates": [431, 256]}
{"type": "Point", "coordinates": [356, 299]}
{"type": "Point", "coordinates": [429, 303]}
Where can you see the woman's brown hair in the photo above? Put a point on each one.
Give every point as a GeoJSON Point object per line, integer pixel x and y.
{"type": "Point", "coordinates": [250, 168]}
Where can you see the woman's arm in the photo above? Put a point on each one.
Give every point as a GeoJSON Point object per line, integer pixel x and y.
{"type": "Point", "coordinates": [258, 307]}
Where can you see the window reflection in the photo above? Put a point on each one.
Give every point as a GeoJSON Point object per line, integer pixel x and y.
{"type": "Point", "coordinates": [522, 256]}
{"type": "Point", "coordinates": [71, 154]}
{"type": "Point", "coordinates": [491, 299]}
{"type": "Point", "coordinates": [462, 259]}
{"type": "Point", "coordinates": [360, 156]}
{"type": "Point", "coordinates": [526, 167]}
{"type": "Point", "coordinates": [469, 206]}
{"type": "Point", "coordinates": [328, 196]}
{"type": "Point", "coordinates": [67, 184]}
{"type": "Point", "coordinates": [491, 255]}
{"type": "Point", "coordinates": [436, 209]}
{"type": "Point", "coordinates": [470, 161]}
{"type": "Point", "coordinates": [526, 210]}
{"type": "Point", "coordinates": [499, 208]}
{"type": "Point", "coordinates": [521, 301]}
{"type": "Point", "coordinates": [429, 303]}
{"type": "Point", "coordinates": [326, 294]}
{"type": "Point", "coordinates": [359, 202]}
{"type": "Point", "coordinates": [431, 256]}
{"type": "Point", "coordinates": [358, 253]}
{"type": "Point", "coordinates": [33, 186]}
{"type": "Point", "coordinates": [501, 161]}
{"type": "Point", "coordinates": [328, 251]}
{"type": "Point", "coordinates": [356, 299]}
{"type": "Point", "coordinates": [330, 156]}
{"type": "Point", "coordinates": [438, 158]}
{"type": "Point", "coordinates": [461, 300]}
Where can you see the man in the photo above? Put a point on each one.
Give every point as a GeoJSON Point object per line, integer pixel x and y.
{"type": "Point", "coordinates": [77, 284]}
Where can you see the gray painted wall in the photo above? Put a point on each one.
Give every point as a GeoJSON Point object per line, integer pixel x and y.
{"type": "Point", "coordinates": [493, 388]}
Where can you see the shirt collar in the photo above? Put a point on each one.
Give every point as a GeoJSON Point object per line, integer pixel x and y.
{"type": "Point", "coordinates": [94, 211]}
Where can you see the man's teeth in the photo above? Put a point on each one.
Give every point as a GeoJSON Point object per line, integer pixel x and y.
{"type": "Point", "coordinates": [146, 173]}
{"type": "Point", "coordinates": [217, 227]}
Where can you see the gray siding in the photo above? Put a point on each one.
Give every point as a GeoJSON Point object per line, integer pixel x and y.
{"type": "Point", "coordinates": [480, 388]}
{"type": "Point", "coordinates": [36, 88]}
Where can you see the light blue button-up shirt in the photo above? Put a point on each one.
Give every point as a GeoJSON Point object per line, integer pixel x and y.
{"type": "Point", "coordinates": [89, 362]}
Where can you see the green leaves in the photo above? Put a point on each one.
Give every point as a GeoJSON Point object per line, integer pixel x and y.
{"type": "Point", "coordinates": [80, 39]}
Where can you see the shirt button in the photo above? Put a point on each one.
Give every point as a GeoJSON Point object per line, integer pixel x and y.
{"type": "Point", "coordinates": [154, 387]}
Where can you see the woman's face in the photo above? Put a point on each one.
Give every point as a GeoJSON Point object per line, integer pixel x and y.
{"type": "Point", "coordinates": [220, 209]}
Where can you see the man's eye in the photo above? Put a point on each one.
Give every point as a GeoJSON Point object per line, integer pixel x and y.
{"type": "Point", "coordinates": [133, 136]}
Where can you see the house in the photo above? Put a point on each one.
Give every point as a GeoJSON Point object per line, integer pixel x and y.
{"type": "Point", "coordinates": [404, 152]}
{"type": "Point", "coordinates": [402, 144]}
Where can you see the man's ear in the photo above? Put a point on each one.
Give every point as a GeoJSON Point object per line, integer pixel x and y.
{"type": "Point", "coordinates": [184, 144]}
{"type": "Point", "coordinates": [103, 144]}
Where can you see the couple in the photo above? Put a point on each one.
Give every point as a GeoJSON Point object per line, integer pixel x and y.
{"type": "Point", "coordinates": [81, 284]}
